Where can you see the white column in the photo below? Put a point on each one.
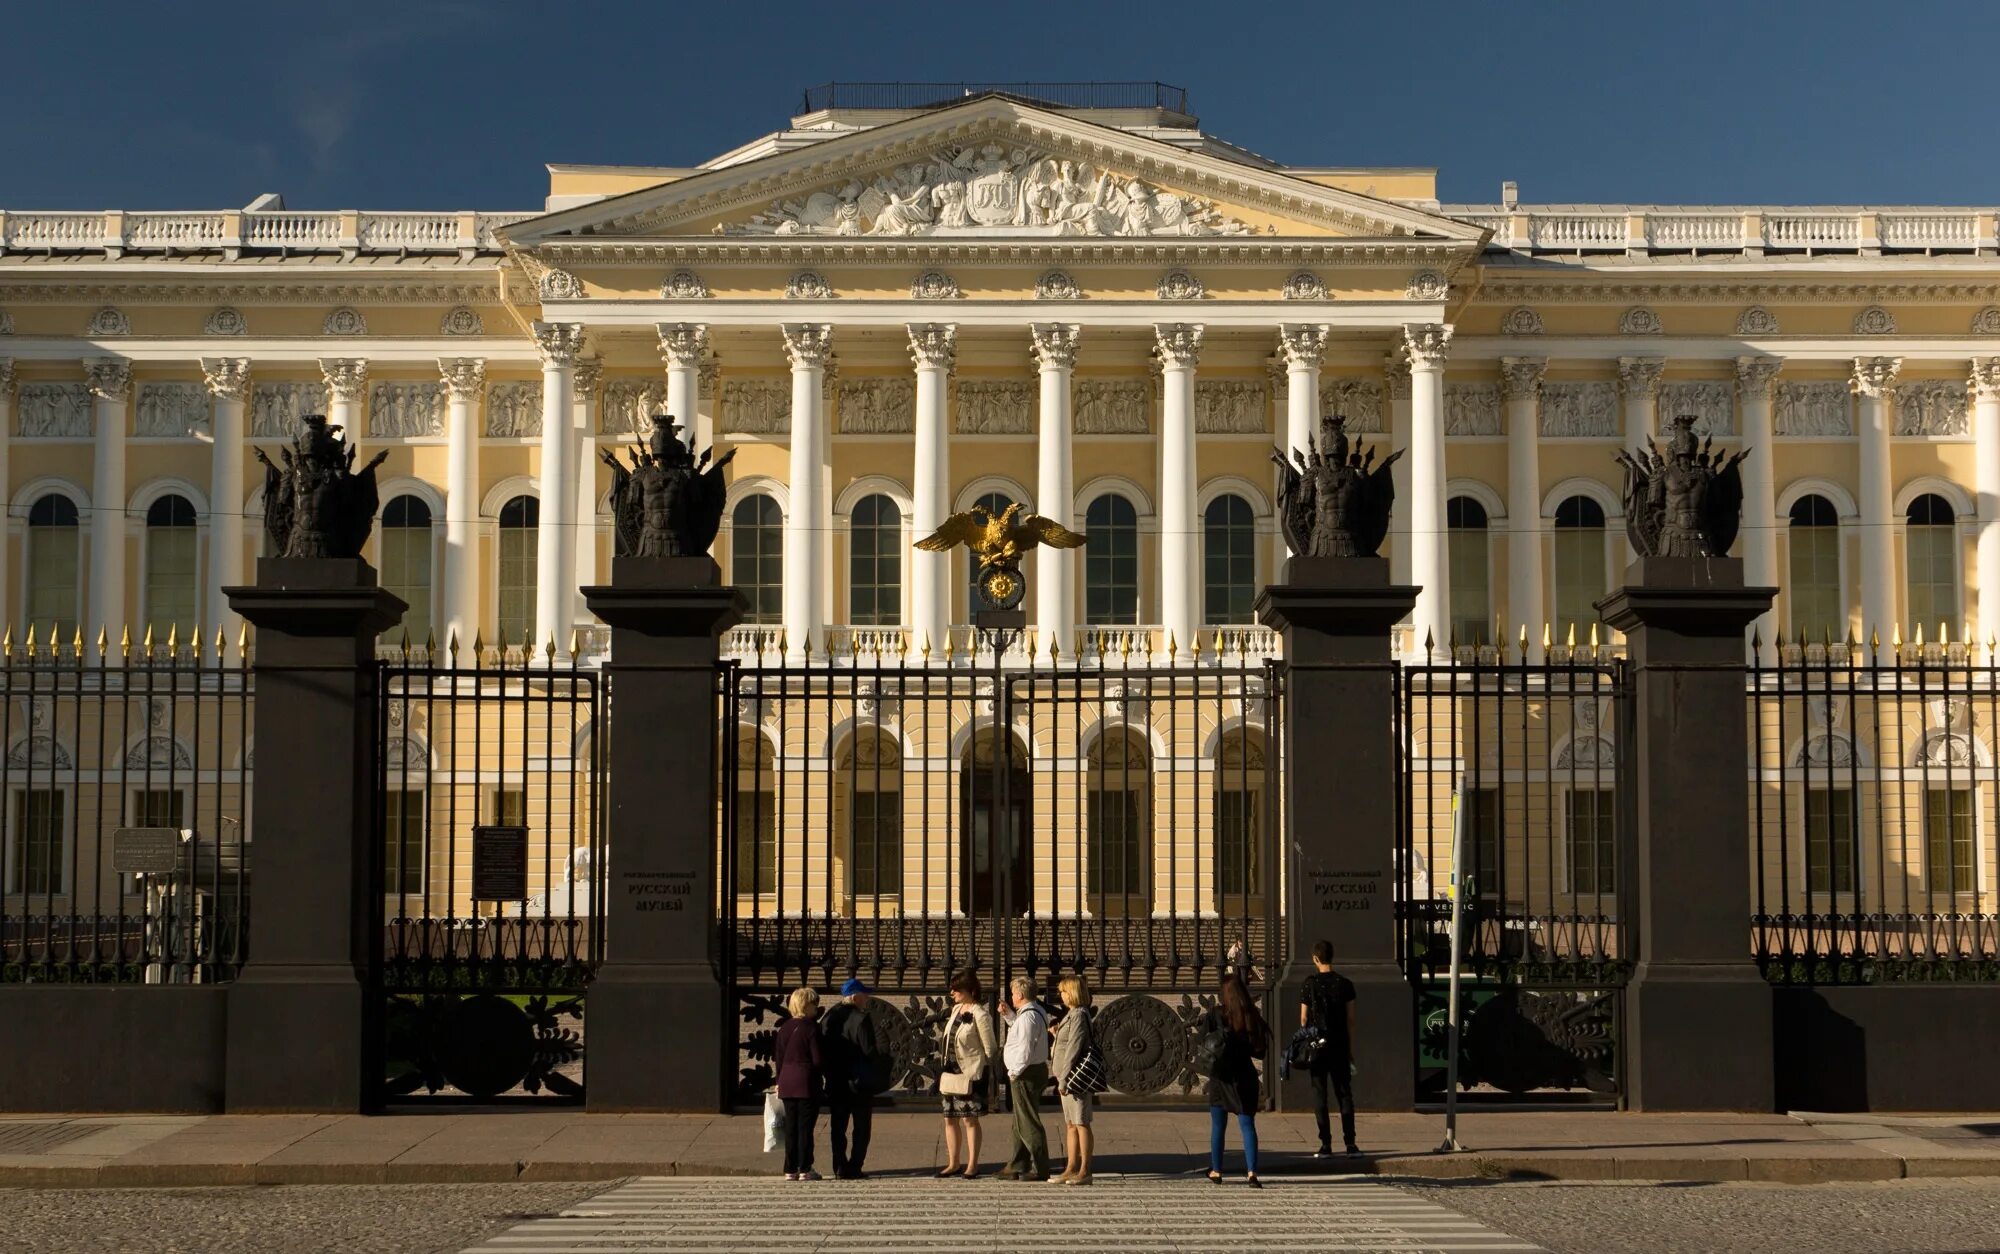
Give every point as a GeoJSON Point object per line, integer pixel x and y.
{"type": "Point", "coordinates": [589, 373]}
{"type": "Point", "coordinates": [229, 386]}
{"type": "Point", "coordinates": [1521, 384]}
{"type": "Point", "coordinates": [1396, 388]}
{"type": "Point", "coordinates": [1303, 347]}
{"type": "Point", "coordinates": [1874, 383]}
{"type": "Point", "coordinates": [6, 484]}
{"type": "Point", "coordinates": [1426, 344]}
{"type": "Point", "coordinates": [684, 344]}
{"type": "Point", "coordinates": [1178, 348]}
{"type": "Point", "coordinates": [1754, 379]}
{"type": "Point", "coordinates": [346, 386]}
{"type": "Point", "coordinates": [555, 544]}
{"type": "Point", "coordinates": [1639, 385]}
{"type": "Point", "coordinates": [807, 345]}
{"type": "Point", "coordinates": [464, 384]}
{"type": "Point", "coordinates": [110, 382]}
{"type": "Point", "coordinates": [1055, 490]}
{"type": "Point", "coordinates": [1985, 385]}
{"type": "Point", "coordinates": [933, 348]}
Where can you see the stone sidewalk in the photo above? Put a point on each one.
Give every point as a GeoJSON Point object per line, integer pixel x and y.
{"type": "Point", "coordinates": [457, 1145]}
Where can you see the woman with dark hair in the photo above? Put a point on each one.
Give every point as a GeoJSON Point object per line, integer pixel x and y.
{"type": "Point", "coordinates": [969, 1049]}
{"type": "Point", "coordinates": [1233, 1085]}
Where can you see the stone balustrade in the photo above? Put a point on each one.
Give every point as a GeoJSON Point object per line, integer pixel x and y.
{"type": "Point", "coordinates": [231, 232]}
{"type": "Point", "coordinates": [1751, 231]}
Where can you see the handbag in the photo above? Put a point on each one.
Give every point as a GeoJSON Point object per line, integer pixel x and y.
{"type": "Point", "coordinates": [774, 1121]}
{"type": "Point", "coordinates": [952, 1082]}
{"type": "Point", "coordinates": [1087, 1077]}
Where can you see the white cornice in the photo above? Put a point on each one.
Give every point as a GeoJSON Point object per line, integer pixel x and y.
{"type": "Point", "coordinates": [31, 289]}
{"type": "Point", "coordinates": [806, 250]}
{"type": "Point", "coordinates": [1259, 315]}
{"type": "Point", "coordinates": [1794, 350]}
{"type": "Point", "coordinates": [1749, 290]}
{"type": "Point", "coordinates": [304, 351]}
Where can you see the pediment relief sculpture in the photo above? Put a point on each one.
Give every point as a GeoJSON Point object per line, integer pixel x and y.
{"type": "Point", "coordinates": [992, 189]}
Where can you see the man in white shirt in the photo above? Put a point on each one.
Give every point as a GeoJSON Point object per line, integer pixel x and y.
{"type": "Point", "coordinates": [1026, 1056]}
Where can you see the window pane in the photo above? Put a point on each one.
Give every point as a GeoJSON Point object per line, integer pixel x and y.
{"type": "Point", "coordinates": [52, 568]}
{"type": "Point", "coordinates": [756, 842]}
{"type": "Point", "coordinates": [1931, 553]}
{"type": "Point", "coordinates": [1111, 563]}
{"type": "Point", "coordinates": [403, 841]}
{"type": "Point", "coordinates": [1815, 578]}
{"type": "Point", "coordinates": [518, 526]}
{"type": "Point", "coordinates": [1592, 838]}
{"type": "Point", "coordinates": [406, 565]}
{"type": "Point", "coordinates": [876, 845]}
{"type": "Point", "coordinates": [1229, 561]}
{"type": "Point", "coordinates": [1483, 830]}
{"type": "Point", "coordinates": [158, 807]}
{"type": "Point", "coordinates": [1471, 579]}
{"type": "Point", "coordinates": [1117, 853]}
{"type": "Point", "coordinates": [170, 568]}
{"type": "Point", "coordinates": [875, 596]}
{"type": "Point", "coordinates": [1236, 869]}
{"type": "Point", "coordinates": [757, 558]}
{"type": "Point", "coordinates": [1580, 579]}
{"type": "Point", "coordinates": [1829, 840]}
{"type": "Point", "coordinates": [36, 852]}
{"type": "Point", "coordinates": [1948, 829]}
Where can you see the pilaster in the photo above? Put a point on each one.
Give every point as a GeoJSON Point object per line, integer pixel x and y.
{"type": "Point", "coordinates": [1985, 386]}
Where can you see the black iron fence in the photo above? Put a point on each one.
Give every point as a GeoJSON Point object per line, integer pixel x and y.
{"type": "Point", "coordinates": [124, 812]}
{"type": "Point", "coordinates": [902, 821]}
{"type": "Point", "coordinates": [1872, 813]}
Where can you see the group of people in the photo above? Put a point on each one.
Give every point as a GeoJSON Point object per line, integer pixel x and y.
{"type": "Point", "coordinates": [841, 1061]}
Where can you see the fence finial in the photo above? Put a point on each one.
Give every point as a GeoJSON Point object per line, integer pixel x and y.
{"type": "Point", "coordinates": [1524, 642]}
{"type": "Point", "coordinates": [7, 644]}
{"type": "Point", "coordinates": [925, 649]}
{"type": "Point", "coordinates": [1125, 645]}
{"type": "Point", "coordinates": [1055, 648]}
{"type": "Point", "coordinates": [1430, 644]}
{"type": "Point", "coordinates": [478, 648]}
{"type": "Point", "coordinates": [173, 639]}
{"type": "Point", "coordinates": [451, 647]}
{"type": "Point", "coordinates": [575, 643]}
{"type": "Point", "coordinates": [549, 649]}
{"type": "Point", "coordinates": [1570, 643]}
{"type": "Point", "coordinates": [1197, 646]}
{"type": "Point", "coordinates": [1172, 649]}
{"type": "Point", "coordinates": [1874, 642]}
{"type": "Point", "coordinates": [430, 646]}
{"type": "Point", "coordinates": [1548, 636]}
{"type": "Point", "coordinates": [124, 641]}
{"type": "Point", "coordinates": [1756, 640]}
{"type": "Point", "coordinates": [781, 640]}
{"type": "Point", "coordinates": [31, 638]}
{"type": "Point", "coordinates": [1593, 637]}
{"type": "Point", "coordinates": [1944, 633]}
{"type": "Point", "coordinates": [404, 646]}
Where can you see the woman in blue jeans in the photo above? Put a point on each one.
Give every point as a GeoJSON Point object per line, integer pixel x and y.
{"type": "Point", "coordinates": [1233, 1089]}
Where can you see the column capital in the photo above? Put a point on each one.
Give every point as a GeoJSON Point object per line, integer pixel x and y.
{"type": "Point", "coordinates": [589, 373]}
{"type": "Point", "coordinates": [1178, 344]}
{"type": "Point", "coordinates": [345, 377]}
{"type": "Point", "coordinates": [1640, 376]}
{"type": "Point", "coordinates": [933, 344]}
{"type": "Point", "coordinates": [1055, 344]}
{"type": "Point", "coordinates": [1521, 377]}
{"type": "Point", "coordinates": [1984, 382]}
{"type": "Point", "coordinates": [108, 378]}
{"type": "Point", "coordinates": [683, 343]}
{"type": "Point", "coordinates": [1875, 376]}
{"type": "Point", "coordinates": [558, 342]}
{"type": "Point", "coordinates": [1302, 345]}
{"type": "Point", "coordinates": [807, 344]}
{"type": "Point", "coordinates": [228, 378]}
{"type": "Point", "coordinates": [1396, 375]}
{"type": "Point", "coordinates": [463, 377]}
{"type": "Point", "coordinates": [1755, 376]}
{"type": "Point", "coordinates": [1426, 343]}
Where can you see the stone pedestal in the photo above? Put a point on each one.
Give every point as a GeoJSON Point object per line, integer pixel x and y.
{"type": "Point", "coordinates": [304, 1034]}
{"type": "Point", "coordinates": [661, 1028]}
{"type": "Point", "coordinates": [1335, 615]}
{"type": "Point", "coordinates": [1698, 1012]}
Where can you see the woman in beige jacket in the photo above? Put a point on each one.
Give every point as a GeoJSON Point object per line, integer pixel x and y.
{"type": "Point", "coordinates": [971, 1048]}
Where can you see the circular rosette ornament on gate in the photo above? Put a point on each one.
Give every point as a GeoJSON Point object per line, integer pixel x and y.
{"type": "Point", "coordinates": [1001, 587]}
{"type": "Point", "coordinates": [1145, 1044]}
{"type": "Point", "coordinates": [998, 542]}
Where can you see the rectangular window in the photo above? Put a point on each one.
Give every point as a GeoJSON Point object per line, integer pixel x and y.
{"type": "Point", "coordinates": [756, 842]}
{"type": "Point", "coordinates": [158, 807]}
{"type": "Point", "coordinates": [35, 852]}
{"type": "Point", "coordinates": [1579, 572]}
{"type": "Point", "coordinates": [1592, 841]}
{"type": "Point", "coordinates": [1482, 832]}
{"type": "Point", "coordinates": [406, 571]}
{"type": "Point", "coordinates": [1932, 554]}
{"type": "Point", "coordinates": [517, 584]}
{"type": "Point", "coordinates": [1116, 853]}
{"type": "Point", "coordinates": [1236, 868]}
{"type": "Point", "coordinates": [170, 581]}
{"type": "Point", "coordinates": [1948, 829]}
{"type": "Point", "coordinates": [1830, 839]}
{"type": "Point", "coordinates": [1815, 584]}
{"type": "Point", "coordinates": [877, 845]}
{"type": "Point", "coordinates": [52, 582]}
{"type": "Point", "coordinates": [1471, 594]}
{"type": "Point", "coordinates": [404, 813]}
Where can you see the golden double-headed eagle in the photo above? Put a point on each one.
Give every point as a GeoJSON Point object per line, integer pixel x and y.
{"type": "Point", "coordinates": [996, 542]}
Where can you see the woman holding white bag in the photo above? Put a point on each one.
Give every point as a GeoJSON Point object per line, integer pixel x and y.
{"type": "Point", "coordinates": [969, 1048]}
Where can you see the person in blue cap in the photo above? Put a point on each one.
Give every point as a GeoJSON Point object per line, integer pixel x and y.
{"type": "Point", "coordinates": [857, 1069]}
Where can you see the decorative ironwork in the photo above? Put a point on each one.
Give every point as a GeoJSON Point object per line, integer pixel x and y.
{"type": "Point", "coordinates": [998, 542]}
{"type": "Point", "coordinates": [483, 1045]}
{"type": "Point", "coordinates": [1146, 1044]}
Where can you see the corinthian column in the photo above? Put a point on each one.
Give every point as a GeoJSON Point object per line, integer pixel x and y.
{"type": "Point", "coordinates": [464, 382]}
{"type": "Point", "coordinates": [560, 344]}
{"type": "Point", "coordinates": [110, 382]}
{"type": "Point", "coordinates": [1396, 394]}
{"type": "Point", "coordinates": [1426, 344]}
{"type": "Point", "coordinates": [806, 525]}
{"type": "Point", "coordinates": [932, 347]}
{"type": "Point", "coordinates": [346, 386]}
{"type": "Point", "coordinates": [1521, 384]}
{"type": "Point", "coordinates": [1874, 383]}
{"type": "Point", "coordinates": [229, 386]}
{"type": "Point", "coordinates": [1055, 577]}
{"type": "Point", "coordinates": [1179, 347]}
{"type": "Point", "coordinates": [1639, 385]}
{"type": "Point", "coordinates": [1754, 379]}
{"type": "Point", "coordinates": [589, 374]}
{"type": "Point", "coordinates": [6, 477]}
{"type": "Point", "coordinates": [684, 344]}
{"type": "Point", "coordinates": [1986, 481]}
{"type": "Point", "coordinates": [1303, 346]}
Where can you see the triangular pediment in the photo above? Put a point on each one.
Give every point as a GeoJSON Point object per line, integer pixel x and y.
{"type": "Point", "coordinates": [992, 167]}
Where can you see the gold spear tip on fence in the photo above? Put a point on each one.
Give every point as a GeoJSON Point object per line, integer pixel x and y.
{"type": "Point", "coordinates": [1197, 646]}
{"type": "Point", "coordinates": [1874, 641]}
{"type": "Point", "coordinates": [1756, 640]}
{"type": "Point", "coordinates": [1429, 642]}
{"type": "Point", "coordinates": [451, 646]}
{"type": "Point", "coordinates": [926, 647]}
{"type": "Point", "coordinates": [7, 644]}
{"type": "Point", "coordinates": [549, 649]}
{"type": "Point", "coordinates": [478, 647]}
{"type": "Point", "coordinates": [430, 643]}
{"type": "Point", "coordinates": [403, 646]}
{"type": "Point", "coordinates": [173, 638]}
{"type": "Point", "coordinates": [221, 643]}
{"type": "Point", "coordinates": [31, 640]}
{"type": "Point", "coordinates": [1172, 649]}
{"type": "Point", "coordinates": [1571, 641]}
{"type": "Point", "coordinates": [1593, 637]}
{"type": "Point", "coordinates": [1944, 632]}
{"type": "Point", "coordinates": [1548, 635]}
{"type": "Point", "coordinates": [1524, 640]}
{"type": "Point", "coordinates": [1125, 645]}
{"type": "Point", "coordinates": [575, 643]}
{"type": "Point", "coordinates": [1055, 648]}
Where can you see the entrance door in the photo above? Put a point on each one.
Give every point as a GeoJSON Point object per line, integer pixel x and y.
{"type": "Point", "coordinates": [990, 839]}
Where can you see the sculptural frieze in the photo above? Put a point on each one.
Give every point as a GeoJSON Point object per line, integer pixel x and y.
{"type": "Point", "coordinates": [1712, 403]}
{"type": "Point", "coordinates": [1931, 407]}
{"type": "Point", "coordinates": [1472, 409]}
{"type": "Point", "coordinates": [995, 407]}
{"type": "Point", "coordinates": [666, 502]}
{"type": "Point", "coordinates": [1231, 407]}
{"type": "Point", "coordinates": [993, 189]}
{"type": "Point", "coordinates": [169, 409]}
{"type": "Point", "coordinates": [317, 504]}
{"type": "Point", "coordinates": [1687, 502]}
{"type": "Point", "coordinates": [52, 410]}
{"type": "Point", "coordinates": [514, 409]}
{"type": "Point", "coordinates": [1813, 407]}
{"type": "Point", "coordinates": [1334, 498]}
{"type": "Point", "coordinates": [276, 408]}
{"type": "Point", "coordinates": [1357, 400]}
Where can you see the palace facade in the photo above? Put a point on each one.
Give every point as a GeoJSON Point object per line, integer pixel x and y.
{"type": "Point", "coordinates": [904, 304]}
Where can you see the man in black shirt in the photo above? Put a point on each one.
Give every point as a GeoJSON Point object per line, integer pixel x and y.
{"type": "Point", "coordinates": [857, 1068]}
{"type": "Point", "coordinates": [1327, 1003]}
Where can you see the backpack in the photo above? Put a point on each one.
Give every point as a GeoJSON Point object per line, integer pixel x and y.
{"type": "Point", "coordinates": [1211, 1048]}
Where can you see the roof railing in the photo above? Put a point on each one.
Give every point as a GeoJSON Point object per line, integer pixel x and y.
{"type": "Point", "coordinates": [1106, 95]}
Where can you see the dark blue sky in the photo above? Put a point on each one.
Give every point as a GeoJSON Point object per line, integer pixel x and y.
{"type": "Point", "coordinates": [456, 104]}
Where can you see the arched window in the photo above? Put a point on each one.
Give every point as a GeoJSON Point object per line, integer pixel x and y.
{"type": "Point", "coordinates": [1229, 560]}
{"type": "Point", "coordinates": [406, 564]}
{"type": "Point", "coordinates": [992, 503]}
{"type": "Point", "coordinates": [1471, 578]}
{"type": "Point", "coordinates": [171, 554]}
{"type": "Point", "coordinates": [757, 557]}
{"type": "Point", "coordinates": [1111, 562]}
{"type": "Point", "coordinates": [1580, 563]}
{"type": "Point", "coordinates": [1930, 554]}
{"type": "Point", "coordinates": [53, 597]}
{"type": "Point", "coordinates": [875, 563]}
{"type": "Point", "coordinates": [1119, 877]}
{"type": "Point", "coordinates": [1815, 571]}
{"type": "Point", "coordinates": [520, 519]}
{"type": "Point", "coordinates": [868, 776]}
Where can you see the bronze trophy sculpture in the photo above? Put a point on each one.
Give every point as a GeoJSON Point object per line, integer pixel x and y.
{"type": "Point", "coordinates": [1335, 500]}
{"type": "Point", "coordinates": [317, 504]}
{"type": "Point", "coordinates": [998, 542]}
{"type": "Point", "coordinates": [1688, 503]}
{"type": "Point", "coordinates": [667, 503]}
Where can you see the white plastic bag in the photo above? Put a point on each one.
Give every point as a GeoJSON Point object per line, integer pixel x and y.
{"type": "Point", "coordinates": [774, 1122]}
